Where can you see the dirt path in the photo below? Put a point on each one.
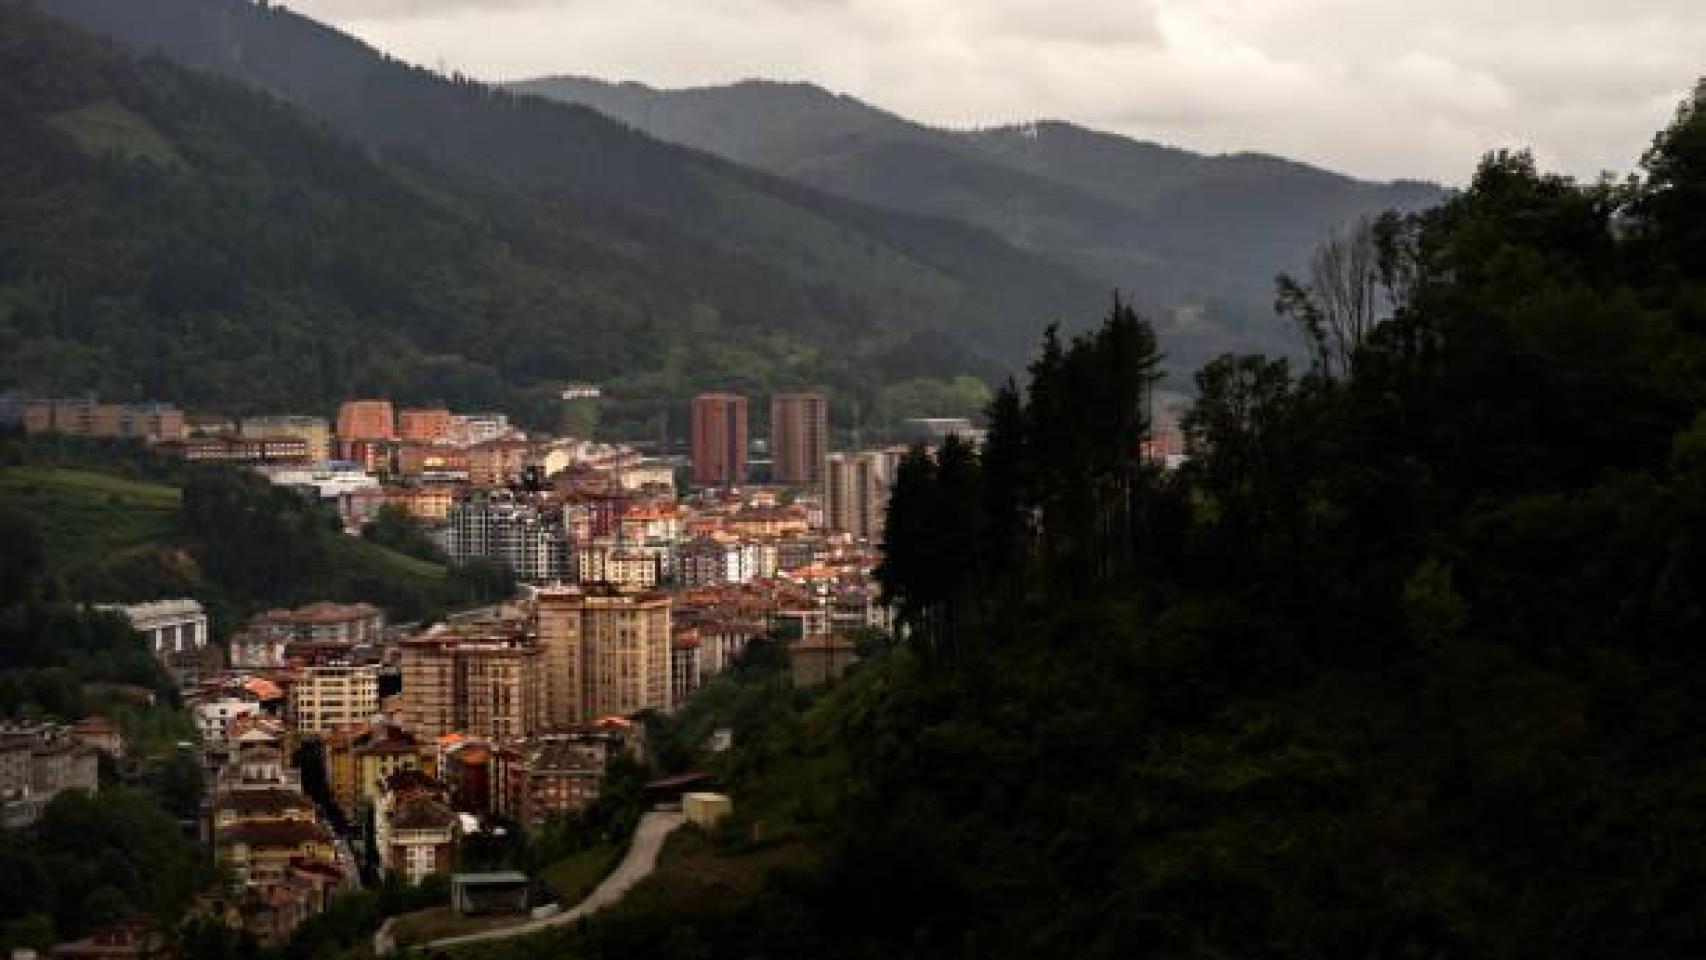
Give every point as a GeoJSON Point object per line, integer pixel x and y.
{"type": "Point", "coordinates": [641, 859]}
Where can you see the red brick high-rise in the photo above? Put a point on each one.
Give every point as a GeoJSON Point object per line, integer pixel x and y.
{"type": "Point", "coordinates": [367, 420]}
{"type": "Point", "coordinates": [719, 440]}
{"type": "Point", "coordinates": [799, 438]}
{"type": "Point", "coordinates": [429, 425]}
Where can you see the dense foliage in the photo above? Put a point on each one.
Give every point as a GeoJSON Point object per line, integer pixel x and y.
{"type": "Point", "coordinates": [394, 528]}
{"type": "Point", "coordinates": [262, 546]}
{"type": "Point", "coordinates": [92, 860]}
{"type": "Point", "coordinates": [1404, 662]}
{"type": "Point", "coordinates": [175, 236]}
{"type": "Point", "coordinates": [49, 647]}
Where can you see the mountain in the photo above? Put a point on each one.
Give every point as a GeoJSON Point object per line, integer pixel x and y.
{"type": "Point", "coordinates": [1199, 237]}
{"type": "Point", "coordinates": [387, 229]}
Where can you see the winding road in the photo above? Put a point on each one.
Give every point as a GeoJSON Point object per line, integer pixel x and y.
{"type": "Point", "coordinates": [636, 865]}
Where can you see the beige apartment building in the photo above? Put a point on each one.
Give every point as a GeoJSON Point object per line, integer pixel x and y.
{"type": "Point", "coordinates": [333, 697]}
{"type": "Point", "coordinates": [858, 491]}
{"type": "Point", "coordinates": [483, 685]}
{"type": "Point", "coordinates": [606, 651]}
{"type": "Point", "coordinates": [315, 431]}
{"type": "Point", "coordinates": [86, 418]}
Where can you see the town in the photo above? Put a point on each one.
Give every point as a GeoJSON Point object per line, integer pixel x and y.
{"type": "Point", "coordinates": [639, 578]}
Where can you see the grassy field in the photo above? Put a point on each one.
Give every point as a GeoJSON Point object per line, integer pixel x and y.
{"type": "Point", "coordinates": [87, 517]}
{"type": "Point", "coordinates": [354, 552]}
{"type": "Point", "coordinates": [437, 923]}
{"type": "Point", "coordinates": [106, 127]}
{"type": "Point", "coordinates": [694, 874]}
{"type": "Point", "coordinates": [572, 878]}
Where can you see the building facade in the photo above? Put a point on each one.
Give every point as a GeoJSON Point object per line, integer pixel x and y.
{"type": "Point", "coordinates": [430, 425]}
{"type": "Point", "coordinates": [314, 431]}
{"type": "Point", "coordinates": [858, 492]}
{"type": "Point", "coordinates": [486, 685]}
{"type": "Point", "coordinates": [605, 651]}
{"type": "Point", "coordinates": [36, 763]}
{"type": "Point", "coordinates": [86, 418]}
{"type": "Point", "coordinates": [558, 774]}
{"type": "Point", "coordinates": [719, 439]}
{"type": "Point", "coordinates": [366, 420]}
{"type": "Point", "coordinates": [495, 525]}
{"type": "Point", "coordinates": [799, 438]}
{"type": "Point", "coordinates": [334, 696]}
{"type": "Point", "coordinates": [169, 626]}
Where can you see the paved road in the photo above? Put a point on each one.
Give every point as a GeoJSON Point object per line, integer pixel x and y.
{"type": "Point", "coordinates": [641, 858]}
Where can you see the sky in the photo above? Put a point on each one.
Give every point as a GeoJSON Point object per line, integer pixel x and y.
{"type": "Point", "coordinates": [1375, 88]}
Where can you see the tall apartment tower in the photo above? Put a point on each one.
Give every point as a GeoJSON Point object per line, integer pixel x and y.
{"type": "Point", "coordinates": [485, 685]}
{"type": "Point", "coordinates": [799, 438]}
{"type": "Point", "coordinates": [334, 696]}
{"type": "Point", "coordinates": [719, 440]}
{"type": "Point", "coordinates": [604, 651]}
{"type": "Point", "coordinates": [858, 487]}
{"type": "Point", "coordinates": [367, 420]}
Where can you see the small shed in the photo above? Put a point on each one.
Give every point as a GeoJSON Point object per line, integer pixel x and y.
{"type": "Point", "coordinates": [480, 893]}
{"type": "Point", "coordinates": [706, 809]}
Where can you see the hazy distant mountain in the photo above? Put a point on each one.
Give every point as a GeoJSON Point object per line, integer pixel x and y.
{"type": "Point", "coordinates": [1174, 227]}
{"type": "Point", "coordinates": [708, 271]}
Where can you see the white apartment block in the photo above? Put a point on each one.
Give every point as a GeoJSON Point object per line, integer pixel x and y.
{"type": "Point", "coordinates": [497, 526]}
{"type": "Point", "coordinates": [170, 626]}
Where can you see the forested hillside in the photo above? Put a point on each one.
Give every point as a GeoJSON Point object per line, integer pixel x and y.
{"type": "Point", "coordinates": [1197, 238]}
{"type": "Point", "coordinates": [1404, 663]}
{"type": "Point", "coordinates": [431, 237]}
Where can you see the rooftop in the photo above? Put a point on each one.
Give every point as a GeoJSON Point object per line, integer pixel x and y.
{"type": "Point", "coordinates": [494, 878]}
{"type": "Point", "coordinates": [273, 833]}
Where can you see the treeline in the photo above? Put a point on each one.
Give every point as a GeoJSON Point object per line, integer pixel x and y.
{"type": "Point", "coordinates": [1358, 678]}
{"type": "Point", "coordinates": [260, 546]}
{"type": "Point", "coordinates": [49, 646]}
{"type": "Point", "coordinates": [1403, 662]}
{"type": "Point", "coordinates": [94, 860]}
{"type": "Point", "coordinates": [177, 236]}
{"type": "Point", "coordinates": [237, 543]}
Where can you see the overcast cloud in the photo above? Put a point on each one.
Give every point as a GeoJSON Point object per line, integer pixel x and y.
{"type": "Point", "coordinates": [1378, 88]}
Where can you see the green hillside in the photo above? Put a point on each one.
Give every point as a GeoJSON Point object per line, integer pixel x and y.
{"type": "Point", "coordinates": [88, 518]}
{"type": "Point", "coordinates": [1197, 239]}
{"type": "Point", "coordinates": [394, 232]}
{"type": "Point", "coordinates": [218, 534]}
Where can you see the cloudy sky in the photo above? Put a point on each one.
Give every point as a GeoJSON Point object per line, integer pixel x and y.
{"type": "Point", "coordinates": [1379, 88]}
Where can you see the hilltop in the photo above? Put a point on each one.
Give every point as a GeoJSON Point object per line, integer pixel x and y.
{"type": "Point", "coordinates": [326, 221]}
{"type": "Point", "coordinates": [1197, 239]}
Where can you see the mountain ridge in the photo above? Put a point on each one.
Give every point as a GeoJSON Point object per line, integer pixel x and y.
{"type": "Point", "coordinates": [1175, 228]}
{"type": "Point", "coordinates": [732, 276]}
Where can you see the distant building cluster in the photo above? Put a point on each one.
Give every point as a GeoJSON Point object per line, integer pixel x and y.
{"type": "Point", "coordinates": [635, 594]}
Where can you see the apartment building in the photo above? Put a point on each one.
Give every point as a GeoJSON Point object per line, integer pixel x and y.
{"type": "Point", "coordinates": [370, 420]}
{"type": "Point", "coordinates": [169, 626]}
{"type": "Point", "coordinates": [430, 425]}
{"type": "Point", "coordinates": [484, 684]}
{"type": "Point", "coordinates": [86, 418]}
{"type": "Point", "coordinates": [496, 525]}
{"type": "Point", "coordinates": [334, 696]}
{"type": "Point", "coordinates": [719, 438]}
{"type": "Point", "coordinates": [324, 622]}
{"type": "Point", "coordinates": [858, 491]}
{"type": "Point", "coordinates": [313, 431]}
{"type": "Point", "coordinates": [605, 651]}
{"type": "Point", "coordinates": [799, 438]}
